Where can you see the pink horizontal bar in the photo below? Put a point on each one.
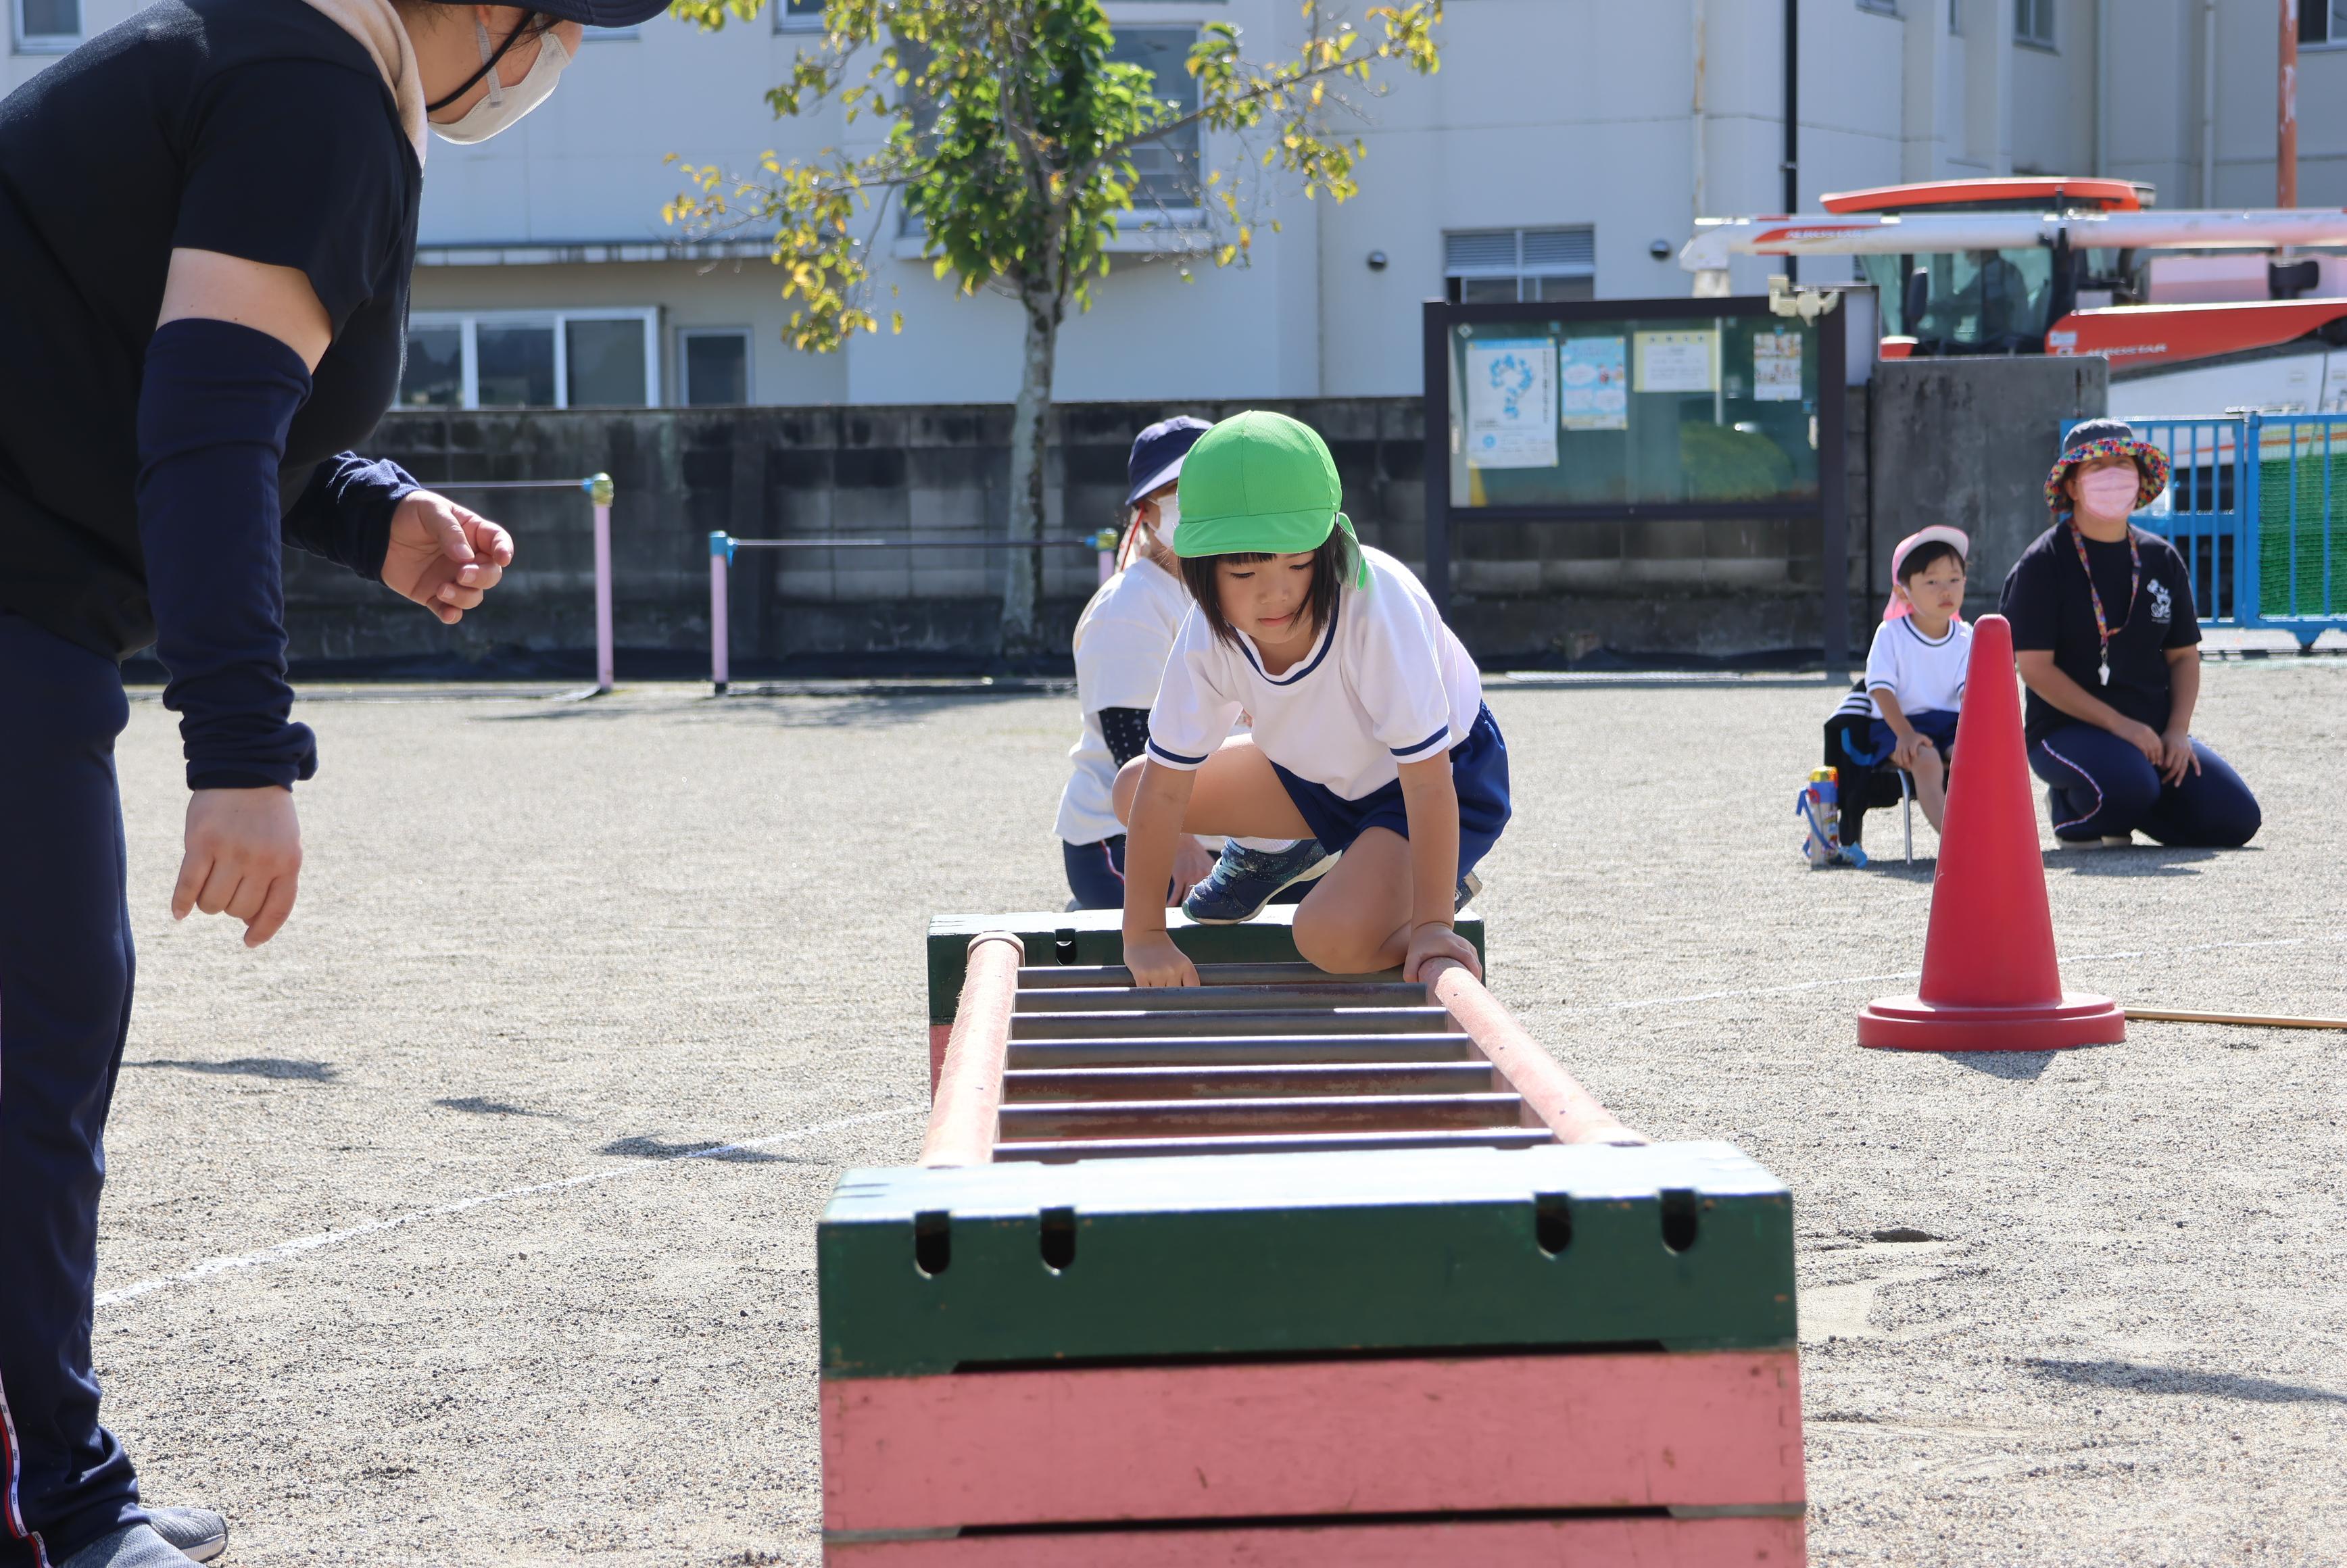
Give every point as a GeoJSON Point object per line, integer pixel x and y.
{"type": "Point", "coordinates": [1499, 1544]}
{"type": "Point", "coordinates": [1311, 1437]}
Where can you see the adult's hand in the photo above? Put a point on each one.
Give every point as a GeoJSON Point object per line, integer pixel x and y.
{"type": "Point", "coordinates": [2179, 756]}
{"type": "Point", "coordinates": [2143, 738]}
{"type": "Point", "coordinates": [442, 556]}
{"type": "Point", "coordinates": [243, 858]}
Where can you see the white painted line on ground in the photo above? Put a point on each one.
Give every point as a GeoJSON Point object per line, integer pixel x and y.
{"type": "Point", "coordinates": [301, 1244]}
{"type": "Point", "coordinates": [1832, 980]}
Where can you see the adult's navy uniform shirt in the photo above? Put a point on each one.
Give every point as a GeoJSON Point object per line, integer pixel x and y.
{"type": "Point", "coordinates": [258, 129]}
{"type": "Point", "coordinates": [2046, 600]}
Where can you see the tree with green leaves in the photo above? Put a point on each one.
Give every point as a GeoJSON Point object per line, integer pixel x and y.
{"type": "Point", "coordinates": [1009, 134]}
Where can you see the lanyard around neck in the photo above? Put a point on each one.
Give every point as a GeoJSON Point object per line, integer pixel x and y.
{"type": "Point", "coordinates": [2135, 582]}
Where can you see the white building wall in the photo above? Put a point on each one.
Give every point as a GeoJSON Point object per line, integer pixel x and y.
{"type": "Point", "coordinates": [1545, 113]}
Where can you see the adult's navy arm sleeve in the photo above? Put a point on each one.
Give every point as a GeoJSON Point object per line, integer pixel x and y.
{"type": "Point", "coordinates": [213, 410]}
{"type": "Point", "coordinates": [344, 512]}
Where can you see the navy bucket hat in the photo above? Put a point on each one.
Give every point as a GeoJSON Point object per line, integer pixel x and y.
{"type": "Point", "coordinates": [1157, 453]}
{"type": "Point", "coordinates": [601, 12]}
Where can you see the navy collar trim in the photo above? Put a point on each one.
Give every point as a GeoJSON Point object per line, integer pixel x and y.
{"type": "Point", "coordinates": [1909, 621]}
{"type": "Point", "coordinates": [1327, 640]}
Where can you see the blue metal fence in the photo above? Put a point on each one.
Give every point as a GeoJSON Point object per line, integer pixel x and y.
{"type": "Point", "coordinates": [2257, 506]}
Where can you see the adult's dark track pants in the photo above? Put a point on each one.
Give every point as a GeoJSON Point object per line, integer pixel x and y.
{"type": "Point", "coordinates": [2101, 784]}
{"type": "Point", "coordinates": [65, 1006]}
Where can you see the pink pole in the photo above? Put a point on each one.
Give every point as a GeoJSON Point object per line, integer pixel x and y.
{"type": "Point", "coordinates": [1548, 1091]}
{"type": "Point", "coordinates": [599, 487]}
{"type": "Point", "coordinates": [967, 1106]}
{"type": "Point", "coordinates": [721, 556]}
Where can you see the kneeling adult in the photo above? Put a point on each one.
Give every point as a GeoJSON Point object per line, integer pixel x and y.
{"type": "Point", "coordinates": [2109, 642]}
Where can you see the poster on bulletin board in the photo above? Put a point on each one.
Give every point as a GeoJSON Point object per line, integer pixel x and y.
{"type": "Point", "coordinates": [1511, 403]}
{"type": "Point", "coordinates": [1594, 374]}
{"type": "Point", "coordinates": [1678, 362]}
{"type": "Point", "coordinates": [1777, 367]}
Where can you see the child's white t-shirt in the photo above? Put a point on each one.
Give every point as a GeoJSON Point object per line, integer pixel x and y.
{"type": "Point", "coordinates": [1121, 640]}
{"type": "Point", "coordinates": [1924, 675]}
{"type": "Point", "coordinates": [1385, 683]}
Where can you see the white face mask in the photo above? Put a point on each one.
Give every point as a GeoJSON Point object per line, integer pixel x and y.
{"type": "Point", "coordinates": [2108, 492]}
{"type": "Point", "coordinates": [501, 106]}
{"type": "Point", "coordinates": [1169, 517]}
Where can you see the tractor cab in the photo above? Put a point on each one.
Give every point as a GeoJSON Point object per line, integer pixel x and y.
{"type": "Point", "coordinates": [2003, 300]}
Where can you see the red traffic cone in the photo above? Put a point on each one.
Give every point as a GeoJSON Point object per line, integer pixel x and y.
{"type": "Point", "coordinates": [1990, 979]}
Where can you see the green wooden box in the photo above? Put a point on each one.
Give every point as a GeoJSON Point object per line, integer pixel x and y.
{"type": "Point", "coordinates": [1672, 1247]}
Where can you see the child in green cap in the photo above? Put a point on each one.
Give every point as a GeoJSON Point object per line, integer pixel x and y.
{"type": "Point", "coordinates": [1369, 732]}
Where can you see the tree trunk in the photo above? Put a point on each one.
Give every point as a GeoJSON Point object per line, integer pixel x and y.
{"type": "Point", "coordinates": [1030, 425]}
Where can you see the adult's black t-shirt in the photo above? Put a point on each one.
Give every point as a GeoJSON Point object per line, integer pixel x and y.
{"type": "Point", "coordinates": [258, 129]}
{"type": "Point", "coordinates": [2046, 600]}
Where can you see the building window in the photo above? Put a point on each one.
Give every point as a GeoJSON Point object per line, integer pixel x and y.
{"type": "Point", "coordinates": [714, 365]}
{"type": "Point", "coordinates": [1879, 7]}
{"type": "Point", "coordinates": [1168, 166]}
{"type": "Point", "coordinates": [2033, 23]}
{"type": "Point", "coordinates": [2322, 21]}
{"type": "Point", "coordinates": [529, 359]}
{"type": "Point", "coordinates": [46, 27]}
{"type": "Point", "coordinates": [1506, 266]}
{"type": "Point", "coordinates": [799, 16]}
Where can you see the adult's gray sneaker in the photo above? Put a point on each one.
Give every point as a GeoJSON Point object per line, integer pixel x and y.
{"type": "Point", "coordinates": [132, 1546]}
{"type": "Point", "coordinates": [199, 1532]}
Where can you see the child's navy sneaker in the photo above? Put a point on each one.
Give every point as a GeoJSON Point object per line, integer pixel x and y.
{"type": "Point", "coordinates": [1243, 880]}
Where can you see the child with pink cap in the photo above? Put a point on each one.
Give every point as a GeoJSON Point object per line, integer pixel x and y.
{"type": "Point", "coordinates": [1915, 670]}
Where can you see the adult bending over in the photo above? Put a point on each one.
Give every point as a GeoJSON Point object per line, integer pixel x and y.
{"type": "Point", "coordinates": [2109, 646]}
{"type": "Point", "coordinates": [207, 221]}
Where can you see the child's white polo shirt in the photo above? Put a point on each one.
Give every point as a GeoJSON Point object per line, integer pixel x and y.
{"type": "Point", "coordinates": [1121, 644]}
{"type": "Point", "coordinates": [1385, 683]}
{"type": "Point", "coordinates": [1924, 675]}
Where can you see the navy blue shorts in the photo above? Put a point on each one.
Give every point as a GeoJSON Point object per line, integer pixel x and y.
{"type": "Point", "coordinates": [1936, 723]}
{"type": "Point", "coordinates": [1478, 772]}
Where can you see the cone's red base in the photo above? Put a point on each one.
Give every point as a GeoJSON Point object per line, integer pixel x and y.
{"type": "Point", "coordinates": [1911, 1023]}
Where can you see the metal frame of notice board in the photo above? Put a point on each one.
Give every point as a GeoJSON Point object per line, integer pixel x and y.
{"type": "Point", "coordinates": [1829, 506]}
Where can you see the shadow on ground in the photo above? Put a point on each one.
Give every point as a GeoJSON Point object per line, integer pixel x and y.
{"type": "Point", "coordinates": [2141, 1378]}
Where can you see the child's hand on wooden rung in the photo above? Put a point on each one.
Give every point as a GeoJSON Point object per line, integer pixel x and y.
{"type": "Point", "coordinates": [1155, 961]}
{"type": "Point", "coordinates": [1435, 940]}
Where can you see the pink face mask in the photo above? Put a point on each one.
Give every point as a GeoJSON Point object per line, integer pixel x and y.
{"type": "Point", "coordinates": [2108, 492]}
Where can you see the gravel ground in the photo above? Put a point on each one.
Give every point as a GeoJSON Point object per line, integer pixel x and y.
{"type": "Point", "coordinates": [471, 1220]}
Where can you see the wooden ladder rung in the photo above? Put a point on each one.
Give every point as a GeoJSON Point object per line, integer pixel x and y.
{"type": "Point", "coordinates": [1212, 1021]}
{"type": "Point", "coordinates": [1212, 1117]}
{"type": "Point", "coordinates": [1245, 1050]}
{"type": "Point", "coordinates": [1276, 1143]}
{"type": "Point", "coordinates": [1194, 999]}
{"type": "Point", "coordinates": [1255, 1082]}
{"type": "Point", "coordinates": [1053, 975]}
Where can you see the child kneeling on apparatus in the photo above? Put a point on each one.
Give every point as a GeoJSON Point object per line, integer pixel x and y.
{"type": "Point", "coordinates": [1369, 732]}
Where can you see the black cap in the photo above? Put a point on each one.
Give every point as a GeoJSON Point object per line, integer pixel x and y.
{"type": "Point", "coordinates": [2091, 430]}
{"type": "Point", "coordinates": [1158, 451]}
{"type": "Point", "coordinates": [602, 12]}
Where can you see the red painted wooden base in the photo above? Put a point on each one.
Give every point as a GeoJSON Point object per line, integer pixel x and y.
{"type": "Point", "coordinates": [1309, 1439]}
{"type": "Point", "coordinates": [1500, 1544]}
{"type": "Point", "coordinates": [938, 1035]}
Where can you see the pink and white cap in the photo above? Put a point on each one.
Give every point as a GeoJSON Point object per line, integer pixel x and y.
{"type": "Point", "coordinates": [1940, 533]}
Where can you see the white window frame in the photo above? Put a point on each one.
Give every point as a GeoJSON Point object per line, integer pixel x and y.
{"type": "Point", "coordinates": [2334, 26]}
{"type": "Point", "coordinates": [469, 322]}
{"type": "Point", "coordinates": [23, 43]}
{"type": "Point", "coordinates": [786, 23]}
{"type": "Point", "coordinates": [684, 362]}
{"type": "Point", "coordinates": [2050, 40]}
{"type": "Point", "coordinates": [1519, 270]}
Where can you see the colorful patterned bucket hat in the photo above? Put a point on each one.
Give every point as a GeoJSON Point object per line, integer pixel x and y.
{"type": "Point", "coordinates": [2093, 438]}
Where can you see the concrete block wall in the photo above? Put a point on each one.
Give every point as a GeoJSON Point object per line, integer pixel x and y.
{"type": "Point", "coordinates": [1521, 592]}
